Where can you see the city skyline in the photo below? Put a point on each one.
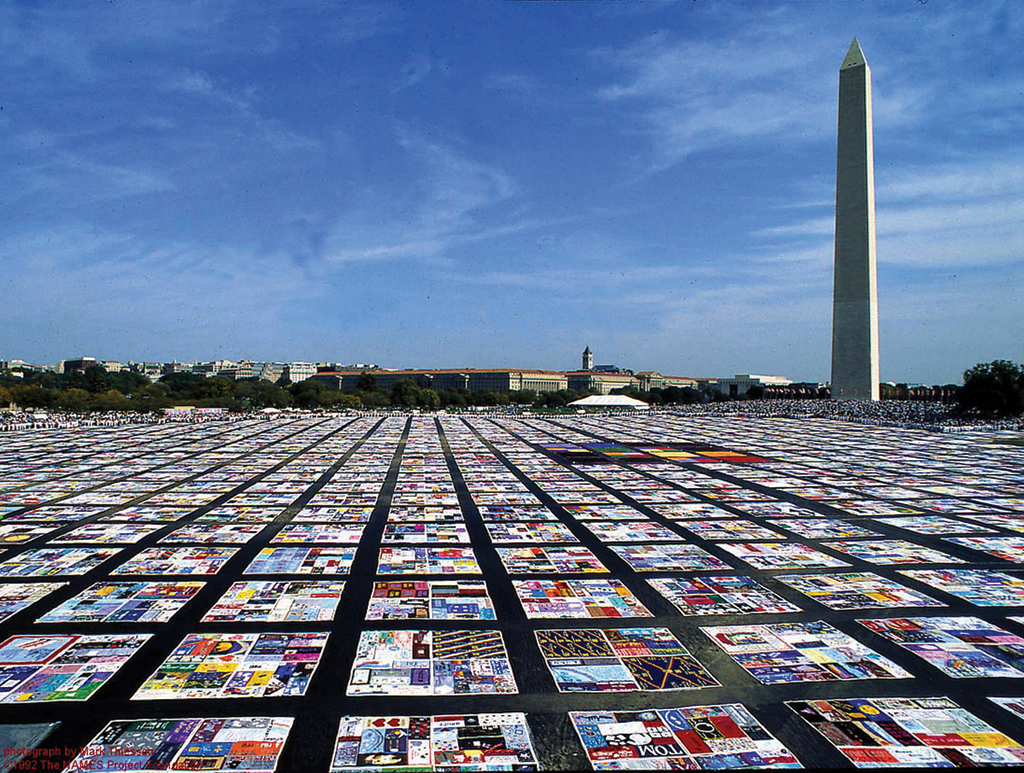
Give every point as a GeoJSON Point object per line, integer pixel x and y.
{"type": "Point", "coordinates": [272, 370]}
{"type": "Point", "coordinates": [498, 184]}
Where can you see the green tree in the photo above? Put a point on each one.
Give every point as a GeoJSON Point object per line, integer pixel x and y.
{"type": "Point", "coordinates": [375, 399]}
{"type": "Point", "coordinates": [367, 382]}
{"type": "Point", "coordinates": [150, 398]}
{"type": "Point", "coordinates": [127, 382]}
{"type": "Point", "coordinates": [548, 399]}
{"type": "Point", "coordinates": [48, 380]}
{"type": "Point", "coordinates": [346, 400]}
{"type": "Point", "coordinates": [216, 387]}
{"type": "Point", "coordinates": [111, 400]}
{"type": "Point", "coordinates": [34, 396]}
{"type": "Point", "coordinates": [995, 388]}
{"type": "Point", "coordinates": [692, 395]}
{"type": "Point", "coordinates": [74, 379]}
{"type": "Point", "coordinates": [637, 394]}
{"type": "Point", "coordinates": [490, 398]}
{"type": "Point", "coordinates": [560, 399]}
{"type": "Point", "coordinates": [96, 379]}
{"type": "Point", "coordinates": [524, 397]}
{"type": "Point", "coordinates": [429, 399]}
{"type": "Point", "coordinates": [262, 394]}
{"type": "Point", "coordinates": [73, 400]}
{"type": "Point", "coordinates": [185, 386]}
{"type": "Point", "coordinates": [451, 398]}
{"type": "Point", "coordinates": [405, 393]}
{"type": "Point", "coordinates": [674, 394]}
{"type": "Point", "coordinates": [307, 394]}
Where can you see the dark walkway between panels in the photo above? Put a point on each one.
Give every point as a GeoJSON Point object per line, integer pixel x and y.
{"type": "Point", "coordinates": [553, 463]}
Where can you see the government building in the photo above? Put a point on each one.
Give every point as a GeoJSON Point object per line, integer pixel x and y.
{"type": "Point", "coordinates": [463, 379]}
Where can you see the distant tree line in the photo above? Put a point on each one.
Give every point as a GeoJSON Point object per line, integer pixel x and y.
{"type": "Point", "coordinates": [667, 396]}
{"type": "Point", "coordinates": [94, 389]}
{"type": "Point", "coordinates": [993, 389]}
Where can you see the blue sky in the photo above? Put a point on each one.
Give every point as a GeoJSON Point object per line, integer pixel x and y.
{"type": "Point", "coordinates": [492, 184]}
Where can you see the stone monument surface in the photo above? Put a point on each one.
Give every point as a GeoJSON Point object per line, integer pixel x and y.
{"type": "Point", "coordinates": [855, 293]}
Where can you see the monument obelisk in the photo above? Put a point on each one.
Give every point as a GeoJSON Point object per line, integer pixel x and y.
{"type": "Point", "coordinates": [855, 293]}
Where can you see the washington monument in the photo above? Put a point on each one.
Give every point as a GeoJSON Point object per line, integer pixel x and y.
{"type": "Point", "coordinates": [855, 294]}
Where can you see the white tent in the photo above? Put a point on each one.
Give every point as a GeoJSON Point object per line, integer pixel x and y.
{"type": "Point", "coordinates": [610, 401]}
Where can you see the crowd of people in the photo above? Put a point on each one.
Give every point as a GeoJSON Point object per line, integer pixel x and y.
{"type": "Point", "coordinates": [888, 413]}
{"type": "Point", "coordinates": [933, 416]}
{"type": "Point", "coordinates": [20, 420]}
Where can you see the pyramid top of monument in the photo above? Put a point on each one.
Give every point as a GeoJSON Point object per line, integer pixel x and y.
{"type": "Point", "coordinates": [854, 57]}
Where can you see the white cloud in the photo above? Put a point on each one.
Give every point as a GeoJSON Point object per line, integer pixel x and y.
{"type": "Point", "coordinates": [192, 82]}
{"type": "Point", "coordinates": [413, 72]}
{"type": "Point", "coordinates": [962, 215]}
{"type": "Point", "coordinates": [615, 284]}
{"type": "Point", "coordinates": [514, 82]}
{"type": "Point", "coordinates": [72, 177]}
{"type": "Point", "coordinates": [92, 289]}
{"type": "Point", "coordinates": [812, 227]}
{"type": "Point", "coordinates": [695, 95]}
{"type": "Point", "coordinates": [977, 177]}
{"type": "Point", "coordinates": [348, 23]}
{"type": "Point", "coordinates": [448, 204]}
{"type": "Point", "coordinates": [202, 84]}
{"type": "Point", "coordinates": [776, 81]}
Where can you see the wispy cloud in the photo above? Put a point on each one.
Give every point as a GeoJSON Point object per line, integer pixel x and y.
{"type": "Point", "coordinates": [413, 72]}
{"type": "Point", "coordinates": [695, 95]}
{"type": "Point", "coordinates": [68, 38]}
{"type": "Point", "coordinates": [774, 82]}
{"type": "Point", "coordinates": [201, 84]}
{"type": "Point", "coordinates": [965, 214]}
{"type": "Point", "coordinates": [353, 23]}
{"type": "Point", "coordinates": [75, 180]}
{"type": "Point", "coordinates": [515, 82]}
{"type": "Point", "coordinates": [183, 298]}
{"type": "Point", "coordinates": [974, 177]}
{"type": "Point", "coordinates": [587, 283]}
{"type": "Point", "coordinates": [449, 204]}
{"type": "Point", "coordinates": [205, 172]}
{"type": "Point", "coordinates": [813, 227]}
